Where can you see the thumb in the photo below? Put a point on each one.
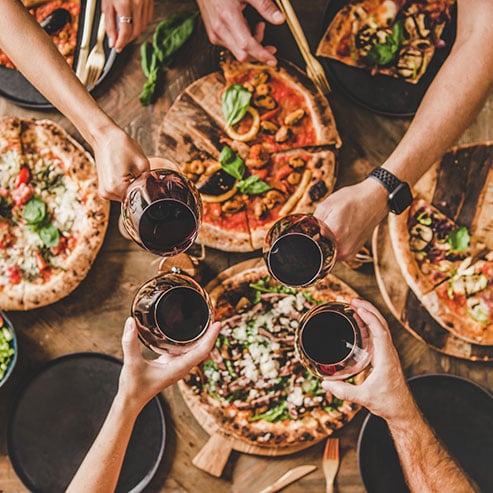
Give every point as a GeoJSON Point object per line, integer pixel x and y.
{"type": "Point", "coordinates": [342, 390]}
{"type": "Point", "coordinates": [268, 10]}
{"type": "Point", "coordinates": [130, 342]}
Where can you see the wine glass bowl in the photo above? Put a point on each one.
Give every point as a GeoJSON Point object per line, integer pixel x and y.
{"type": "Point", "coordinates": [299, 249]}
{"type": "Point", "coordinates": [161, 211]}
{"type": "Point", "coordinates": [332, 342]}
{"type": "Point", "coordinates": [171, 311]}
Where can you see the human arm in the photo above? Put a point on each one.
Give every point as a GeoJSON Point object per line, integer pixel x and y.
{"type": "Point", "coordinates": [226, 26]}
{"type": "Point", "coordinates": [121, 33]}
{"type": "Point", "coordinates": [426, 464]}
{"type": "Point", "coordinates": [140, 380]}
{"type": "Point", "coordinates": [118, 157]}
{"type": "Point", "coordinates": [452, 101]}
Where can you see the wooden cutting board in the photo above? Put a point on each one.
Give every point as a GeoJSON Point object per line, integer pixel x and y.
{"type": "Point", "coordinates": [461, 185]}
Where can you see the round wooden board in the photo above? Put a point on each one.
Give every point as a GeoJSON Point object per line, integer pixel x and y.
{"type": "Point", "coordinates": [461, 185]}
{"type": "Point", "coordinates": [208, 423]}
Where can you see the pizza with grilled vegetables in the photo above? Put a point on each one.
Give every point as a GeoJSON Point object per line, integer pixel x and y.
{"type": "Point", "coordinates": [450, 272]}
{"type": "Point", "coordinates": [258, 142]}
{"type": "Point", "coordinates": [52, 220]}
{"type": "Point", "coordinates": [63, 34]}
{"type": "Point", "coordinates": [253, 385]}
{"type": "Point", "coordinates": [389, 37]}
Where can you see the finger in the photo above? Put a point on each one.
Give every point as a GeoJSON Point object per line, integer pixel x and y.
{"type": "Point", "coordinates": [130, 342]}
{"type": "Point", "coordinates": [139, 166]}
{"type": "Point", "coordinates": [259, 31]}
{"type": "Point", "coordinates": [371, 308]}
{"type": "Point", "coordinates": [125, 31]}
{"type": "Point", "coordinates": [204, 346]}
{"type": "Point", "coordinates": [268, 10]}
{"type": "Point", "coordinates": [342, 390]}
{"type": "Point", "coordinates": [110, 24]}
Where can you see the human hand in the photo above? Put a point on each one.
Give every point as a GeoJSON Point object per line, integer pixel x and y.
{"type": "Point", "coordinates": [226, 26]}
{"type": "Point", "coordinates": [119, 159]}
{"type": "Point", "coordinates": [385, 391]}
{"type": "Point", "coordinates": [142, 379]}
{"type": "Point", "coordinates": [121, 33]}
{"type": "Point", "coordinates": [351, 213]}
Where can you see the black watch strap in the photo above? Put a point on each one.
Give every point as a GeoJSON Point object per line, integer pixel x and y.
{"type": "Point", "coordinates": [386, 178]}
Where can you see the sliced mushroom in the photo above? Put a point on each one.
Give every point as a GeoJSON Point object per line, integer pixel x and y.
{"type": "Point", "coordinates": [294, 117]}
{"type": "Point", "coordinates": [421, 236]}
{"type": "Point", "coordinates": [195, 167]}
{"type": "Point", "coordinates": [296, 162]}
{"type": "Point", "coordinates": [272, 198]}
{"type": "Point", "coordinates": [268, 127]}
{"type": "Point", "coordinates": [265, 102]}
{"type": "Point", "coordinates": [283, 134]}
{"type": "Point", "coordinates": [420, 21]}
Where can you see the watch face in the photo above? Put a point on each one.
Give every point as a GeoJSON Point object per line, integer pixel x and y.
{"type": "Point", "coordinates": [400, 199]}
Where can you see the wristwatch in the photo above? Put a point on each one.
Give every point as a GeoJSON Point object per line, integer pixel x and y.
{"type": "Point", "coordinates": [400, 196]}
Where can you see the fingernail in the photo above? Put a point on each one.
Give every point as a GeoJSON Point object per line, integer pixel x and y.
{"type": "Point", "coordinates": [272, 63]}
{"type": "Point", "coordinates": [128, 328]}
{"type": "Point", "coordinates": [327, 385]}
{"type": "Point", "coordinates": [111, 42]}
{"type": "Point", "coordinates": [278, 17]}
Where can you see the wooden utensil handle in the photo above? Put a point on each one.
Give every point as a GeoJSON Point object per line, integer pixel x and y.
{"type": "Point", "coordinates": [213, 455]}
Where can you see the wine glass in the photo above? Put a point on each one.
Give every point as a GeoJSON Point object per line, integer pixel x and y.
{"type": "Point", "coordinates": [332, 342]}
{"type": "Point", "coordinates": [172, 311]}
{"type": "Point", "coordinates": [299, 249]}
{"type": "Point", "coordinates": [161, 211]}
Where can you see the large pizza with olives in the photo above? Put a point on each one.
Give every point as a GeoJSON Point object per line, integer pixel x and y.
{"type": "Point", "coordinates": [253, 385]}
{"type": "Point", "coordinates": [258, 142]}
{"type": "Point", "coordinates": [52, 219]}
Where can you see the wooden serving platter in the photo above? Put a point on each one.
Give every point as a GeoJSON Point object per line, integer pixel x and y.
{"type": "Point", "coordinates": [213, 456]}
{"type": "Point", "coordinates": [461, 185]}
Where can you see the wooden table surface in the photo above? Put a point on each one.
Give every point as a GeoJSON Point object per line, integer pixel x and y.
{"type": "Point", "coordinates": [91, 318]}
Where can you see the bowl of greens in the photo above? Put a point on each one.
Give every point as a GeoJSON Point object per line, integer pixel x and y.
{"type": "Point", "coordinates": [8, 348]}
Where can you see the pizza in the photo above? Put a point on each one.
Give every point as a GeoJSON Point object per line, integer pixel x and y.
{"type": "Point", "coordinates": [65, 39]}
{"type": "Point", "coordinates": [450, 271]}
{"type": "Point", "coordinates": [254, 386]}
{"type": "Point", "coordinates": [258, 142]}
{"type": "Point", "coordinates": [52, 219]}
{"type": "Point", "coordinates": [397, 38]}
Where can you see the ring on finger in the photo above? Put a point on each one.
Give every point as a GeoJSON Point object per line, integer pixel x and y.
{"type": "Point", "coordinates": [125, 19]}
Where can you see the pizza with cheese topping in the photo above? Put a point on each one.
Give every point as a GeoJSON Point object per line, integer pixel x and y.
{"type": "Point", "coordinates": [254, 385]}
{"type": "Point", "coordinates": [52, 220]}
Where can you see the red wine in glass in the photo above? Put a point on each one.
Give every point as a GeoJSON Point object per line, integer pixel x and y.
{"type": "Point", "coordinates": [171, 310]}
{"type": "Point", "coordinates": [161, 211]}
{"type": "Point", "coordinates": [299, 249]}
{"type": "Point", "coordinates": [330, 342]}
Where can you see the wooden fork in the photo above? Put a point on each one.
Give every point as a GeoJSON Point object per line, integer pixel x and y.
{"type": "Point", "coordinates": [330, 463]}
{"type": "Point", "coordinates": [97, 57]}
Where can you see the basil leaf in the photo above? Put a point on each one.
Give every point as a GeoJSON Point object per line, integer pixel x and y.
{"type": "Point", "coordinates": [171, 34]}
{"type": "Point", "coordinates": [148, 94]}
{"type": "Point", "coordinates": [384, 53]}
{"type": "Point", "coordinates": [398, 33]}
{"type": "Point", "coordinates": [459, 239]}
{"type": "Point", "coordinates": [232, 163]}
{"type": "Point", "coordinates": [148, 58]}
{"type": "Point", "coordinates": [49, 235]}
{"type": "Point", "coordinates": [253, 185]}
{"type": "Point", "coordinates": [235, 101]}
{"type": "Point", "coordinates": [35, 211]}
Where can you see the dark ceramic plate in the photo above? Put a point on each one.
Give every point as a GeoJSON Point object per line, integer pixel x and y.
{"type": "Point", "coordinates": [16, 88]}
{"type": "Point", "coordinates": [381, 93]}
{"type": "Point", "coordinates": [461, 413]}
{"type": "Point", "coordinates": [57, 415]}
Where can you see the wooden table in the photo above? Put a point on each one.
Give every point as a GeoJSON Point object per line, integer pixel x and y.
{"type": "Point", "coordinates": [91, 318]}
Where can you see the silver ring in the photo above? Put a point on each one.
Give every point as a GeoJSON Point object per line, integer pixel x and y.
{"type": "Point", "coordinates": [125, 20]}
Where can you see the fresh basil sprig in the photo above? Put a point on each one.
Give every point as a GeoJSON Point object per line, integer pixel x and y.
{"type": "Point", "coordinates": [35, 211]}
{"type": "Point", "coordinates": [169, 36]}
{"type": "Point", "coordinates": [235, 102]}
{"type": "Point", "coordinates": [385, 53]}
{"type": "Point", "coordinates": [35, 214]}
{"type": "Point", "coordinates": [235, 166]}
{"type": "Point", "coordinates": [459, 239]}
{"type": "Point", "coordinates": [49, 235]}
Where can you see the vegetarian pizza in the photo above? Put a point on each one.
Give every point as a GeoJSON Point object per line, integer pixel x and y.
{"type": "Point", "coordinates": [65, 38]}
{"type": "Point", "coordinates": [253, 385]}
{"type": "Point", "coordinates": [52, 219]}
{"type": "Point", "coordinates": [258, 142]}
{"type": "Point", "coordinates": [390, 37]}
{"type": "Point", "coordinates": [448, 269]}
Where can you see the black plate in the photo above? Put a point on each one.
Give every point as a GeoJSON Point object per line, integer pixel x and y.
{"type": "Point", "coordinates": [16, 88]}
{"type": "Point", "coordinates": [461, 413]}
{"type": "Point", "coordinates": [58, 414]}
{"type": "Point", "coordinates": [380, 93]}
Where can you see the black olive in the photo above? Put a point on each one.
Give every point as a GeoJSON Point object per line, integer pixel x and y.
{"type": "Point", "coordinates": [56, 20]}
{"type": "Point", "coordinates": [317, 191]}
{"type": "Point", "coordinates": [217, 184]}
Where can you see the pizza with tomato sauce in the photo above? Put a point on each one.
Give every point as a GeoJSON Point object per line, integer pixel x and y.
{"type": "Point", "coordinates": [52, 219]}
{"type": "Point", "coordinates": [64, 38]}
{"type": "Point", "coordinates": [258, 142]}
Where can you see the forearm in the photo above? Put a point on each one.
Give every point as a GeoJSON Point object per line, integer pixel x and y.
{"type": "Point", "coordinates": [37, 58]}
{"type": "Point", "coordinates": [101, 467]}
{"type": "Point", "coordinates": [427, 466]}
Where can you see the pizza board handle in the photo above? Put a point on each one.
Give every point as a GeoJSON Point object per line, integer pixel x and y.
{"type": "Point", "coordinates": [213, 456]}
